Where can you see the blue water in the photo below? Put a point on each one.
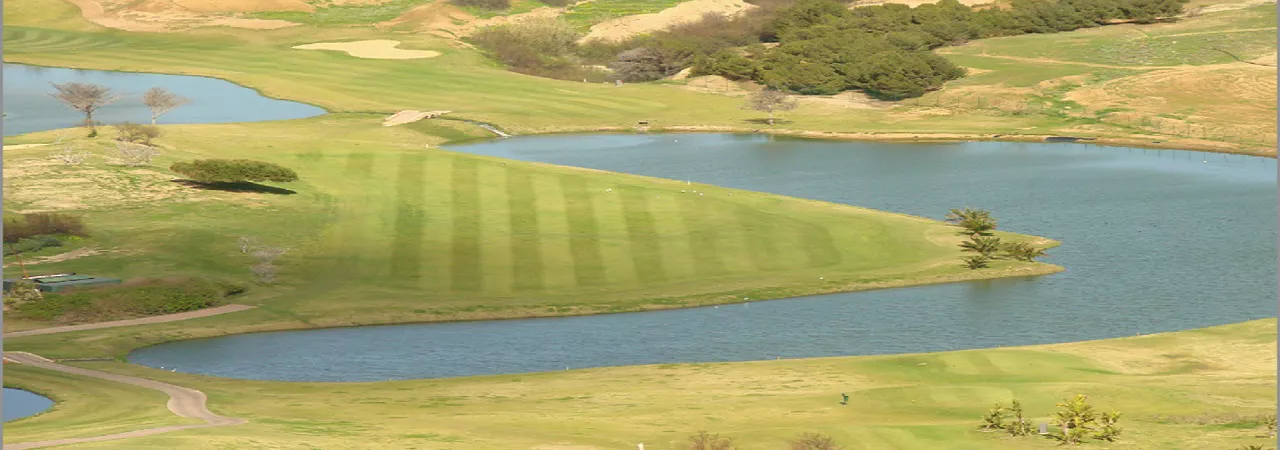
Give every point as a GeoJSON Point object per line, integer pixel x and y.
{"type": "Point", "coordinates": [18, 403]}
{"type": "Point", "coordinates": [29, 108]}
{"type": "Point", "coordinates": [1152, 241]}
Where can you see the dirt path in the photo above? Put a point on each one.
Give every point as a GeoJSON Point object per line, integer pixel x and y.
{"type": "Point", "coordinates": [129, 322]}
{"type": "Point", "coordinates": [184, 402]}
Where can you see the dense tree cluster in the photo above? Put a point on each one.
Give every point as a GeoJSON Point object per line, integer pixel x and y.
{"type": "Point", "coordinates": [825, 47]}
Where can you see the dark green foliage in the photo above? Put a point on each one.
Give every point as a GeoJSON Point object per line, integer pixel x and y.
{"type": "Point", "coordinates": [983, 245]}
{"type": "Point", "coordinates": [233, 171]}
{"type": "Point", "coordinates": [977, 262]}
{"type": "Point", "coordinates": [1022, 251]}
{"type": "Point", "coordinates": [137, 133]}
{"type": "Point", "coordinates": [495, 5]}
{"type": "Point", "coordinates": [726, 63]}
{"type": "Point", "coordinates": [558, 3]}
{"type": "Point", "coordinates": [141, 299]}
{"type": "Point", "coordinates": [542, 47]}
{"type": "Point", "coordinates": [31, 244]}
{"type": "Point", "coordinates": [973, 221]}
{"type": "Point", "coordinates": [43, 224]}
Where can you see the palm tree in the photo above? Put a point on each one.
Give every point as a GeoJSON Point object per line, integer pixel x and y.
{"type": "Point", "coordinates": [1023, 251]}
{"type": "Point", "coordinates": [977, 262]}
{"type": "Point", "coordinates": [985, 246]}
{"type": "Point", "coordinates": [974, 221]}
{"type": "Point", "coordinates": [1076, 417]}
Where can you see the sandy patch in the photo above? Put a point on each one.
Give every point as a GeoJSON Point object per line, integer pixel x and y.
{"type": "Point", "coordinates": [67, 256]}
{"type": "Point", "coordinates": [691, 11]}
{"type": "Point", "coordinates": [443, 19]}
{"type": "Point", "coordinates": [843, 100]}
{"type": "Point", "coordinates": [172, 15]}
{"type": "Point", "coordinates": [410, 116]}
{"type": "Point", "coordinates": [371, 49]}
{"type": "Point", "coordinates": [715, 84]}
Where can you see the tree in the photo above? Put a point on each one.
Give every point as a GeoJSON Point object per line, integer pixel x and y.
{"type": "Point", "coordinates": [1019, 426]}
{"type": "Point", "coordinates": [993, 419]}
{"type": "Point", "coordinates": [814, 441]}
{"type": "Point", "coordinates": [1109, 431]}
{"type": "Point", "coordinates": [265, 270]}
{"type": "Point", "coordinates": [1076, 418]}
{"type": "Point", "coordinates": [233, 171]}
{"type": "Point", "coordinates": [161, 101]}
{"type": "Point", "coordinates": [974, 221]}
{"type": "Point", "coordinates": [139, 134]}
{"type": "Point", "coordinates": [983, 245]}
{"type": "Point", "coordinates": [977, 262]}
{"type": "Point", "coordinates": [69, 154]}
{"type": "Point", "coordinates": [1022, 251]}
{"type": "Point", "coordinates": [135, 155]}
{"type": "Point", "coordinates": [707, 441]}
{"type": "Point", "coordinates": [643, 64]}
{"type": "Point", "coordinates": [770, 100]}
{"type": "Point", "coordinates": [86, 98]}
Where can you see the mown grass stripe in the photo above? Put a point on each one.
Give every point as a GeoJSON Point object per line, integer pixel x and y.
{"type": "Point", "coordinates": [584, 232]}
{"type": "Point", "coordinates": [467, 275]}
{"type": "Point", "coordinates": [437, 270]}
{"type": "Point", "coordinates": [701, 235]}
{"type": "Point", "coordinates": [495, 228]}
{"type": "Point", "coordinates": [819, 245]}
{"type": "Point", "coordinates": [526, 252]}
{"type": "Point", "coordinates": [615, 246]}
{"type": "Point", "coordinates": [646, 247]}
{"type": "Point", "coordinates": [677, 252]}
{"type": "Point", "coordinates": [760, 237]}
{"type": "Point", "coordinates": [410, 221]}
{"type": "Point", "coordinates": [557, 258]}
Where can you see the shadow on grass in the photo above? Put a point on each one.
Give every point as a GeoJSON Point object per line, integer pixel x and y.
{"type": "Point", "coordinates": [236, 187]}
{"type": "Point", "coordinates": [766, 121]}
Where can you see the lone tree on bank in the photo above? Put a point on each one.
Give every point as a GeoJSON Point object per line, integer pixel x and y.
{"type": "Point", "coordinates": [233, 171]}
{"type": "Point", "coordinates": [161, 101]}
{"type": "Point", "coordinates": [770, 100]}
{"type": "Point", "coordinates": [84, 97]}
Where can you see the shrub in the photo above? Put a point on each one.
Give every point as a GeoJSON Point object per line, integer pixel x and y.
{"type": "Point", "coordinates": [708, 441]}
{"type": "Point", "coordinates": [139, 299]}
{"type": "Point", "coordinates": [38, 224]}
{"type": "Point", "coordinates": [137, 133]}
{"type": "Point", "coordinates": [977, 262]}
{"type": "Point", "coordinates": [814, 441]}
{"type": "Point", "coordinates": [233, 171]}
{"type": "Point", "coordinates": [558, 3]}
{"type": "Point", "coordinates": [31, 244]}
{"type": "Point", "coordinates": [496, 5]}
{"type": "Point", "coordinates": [1022, 251]}
{"type": "Point", "coordinates": [993, 419]}
{"type": "Point", "coordinates": [1019, 426]}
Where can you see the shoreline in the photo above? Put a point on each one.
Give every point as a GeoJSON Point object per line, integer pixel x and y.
{"type": "Point", "coordinates": [1131, 141]}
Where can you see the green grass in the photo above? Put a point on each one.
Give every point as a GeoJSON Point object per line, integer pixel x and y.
{"type": "Point", "coordinates": [382, 230]}
{"type": "Point", "coordinates": [84, 406]}
{"type": "Point", "coordinates": [1248, 33]}
{"type": "Point", "coordinates": [1197, 389]}
{"type": "Point", "coordinates": [598, 11]}
{"type": "Point", "coordinates": [328, 15]}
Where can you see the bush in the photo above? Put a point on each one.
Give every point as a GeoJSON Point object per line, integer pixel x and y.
{"type": "Point", "coordinates": [814, 441]}
{"type": "Point", "coordinates": [137, 133]}
{"type": "Point", "coordinates": [32, 244]}
{"type": "Point", "coordinates": [496, 5]}
{"type": "Point", "coordinates": [558, 3]}
{"type": "Point", "coordinates": [43, 224]}
{"type": "Point", "coordinates": [139, 299]}
{"type": "Point", "coordinates": [233, 171]}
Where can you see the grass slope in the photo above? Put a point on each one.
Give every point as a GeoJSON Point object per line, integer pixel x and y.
{"type": "Point", "coordinates": [1198, 389]}
{"type": "Point", "coordinates": [383, 230]}
{"type": "Point", "coordinates": [84, 406]}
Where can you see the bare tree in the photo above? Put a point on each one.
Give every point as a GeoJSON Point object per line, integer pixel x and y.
{"type": "Point", "coordinates": [135, 155]}
{"type": "Point", "coordinates": [265, 272]}
{"type": "Point", "coordinates": [814, 441]}
{"type": "Point", "coordinates": [69, 154]}
{"type": "Point", "coordinates": [268, 254]}
{"type": "Point", "coordinates": [770, 100]}
{"type": "Point", "coordinates": [707, 441]}
{"type": "Point", "coordinates": [247, 244]}
{"type": "Point", "coordinates": [84, 97]}
{"type": "Point", "coordinates": [161, 101]}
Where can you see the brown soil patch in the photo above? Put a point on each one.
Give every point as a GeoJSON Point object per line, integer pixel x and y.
{"type": "Point", "coordinates": [371, 49]}
{"type": "Point", "coordinates": [690, 11]}
{"type": "Point", "coordinates": [715, 84]}
{"type": "Point", "coordinates": [440, 18]}
{"type": "Point", "coordinates": [74, 254]}
{"type": "Point", "coordinates": [35, 184]}
{"type": "Point", "coordinates": [172, 15]}
{"type": "Point", "coordinates": [844, 100]}
{"type": "Point", "coordinates": [22, 146]}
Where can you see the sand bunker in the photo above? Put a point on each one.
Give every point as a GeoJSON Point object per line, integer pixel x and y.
{"type": "Point", "coordinates": [373, 49]}
{"type": "Point", "coordinates": [690, 11]}
{"type": "Point", "coordinates": [410, 116]}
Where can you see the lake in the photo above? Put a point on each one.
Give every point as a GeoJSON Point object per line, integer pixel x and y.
{"type": "Point", "coordinates": [29, 108]}
{"type": "Point", "coordinates": [19, 403]}
{"type": "Point", "coordinates": [1153, 241]}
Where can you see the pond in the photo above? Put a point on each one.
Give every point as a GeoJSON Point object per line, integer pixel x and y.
{"type": "Point", "coordinates": [19, 403]}
{"type": "Point", "coordinates": [29, 108]}
{"type": "Point", "coordinates": [1153, 240]}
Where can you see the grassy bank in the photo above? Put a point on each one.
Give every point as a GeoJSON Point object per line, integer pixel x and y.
{"type": "Point", "coordinates": [1197, 389]}
{"type": "Point", "coordinates": [382, 229]}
